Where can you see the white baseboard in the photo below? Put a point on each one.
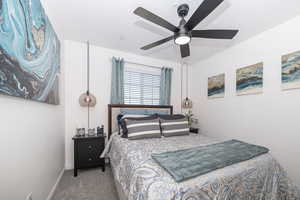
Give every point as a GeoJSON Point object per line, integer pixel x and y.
{"type": "Point", "coordinates": [51, 193]}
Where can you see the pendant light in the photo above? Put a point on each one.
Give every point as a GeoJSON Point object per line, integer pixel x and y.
{"type": "Point", "coordinates": [187, 103]}
{"type": "Point", "coordinates": [87, 99]}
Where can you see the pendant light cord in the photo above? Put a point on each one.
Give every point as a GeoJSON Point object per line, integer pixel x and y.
{"type": "Point", "coordinates": [88, 117]}
{"type": "Point", "coordinates": [181, 83]}
{"type": "Point", "coordinates": [88, 66]}
{"type": "Point", "coordinates": [88, 80]}
{"type": "Point", "coordinates": [187, 84]}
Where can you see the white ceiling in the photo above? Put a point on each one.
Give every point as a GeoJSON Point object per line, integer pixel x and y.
{"type": "Point", "coordinates": [112, 24]}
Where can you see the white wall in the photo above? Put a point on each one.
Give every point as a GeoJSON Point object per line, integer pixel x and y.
{"type": "Point", "coordinates": [100, 86]}
{"type": "Point", "coordinates": [31, 147]}
{"type": "Point", "coordinates": [271, 118]}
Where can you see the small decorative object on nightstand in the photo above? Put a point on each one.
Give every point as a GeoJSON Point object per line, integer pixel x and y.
{"type": "Point", "coordinates": [100, 130]}
{"type": "Point", "coordinates": [91, 132]}
{"type": "Point", "coordinates": [194, 130]}
{"type": "Point", "coordinates": [87, 151]}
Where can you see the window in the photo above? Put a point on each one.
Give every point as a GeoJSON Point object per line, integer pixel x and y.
{"type": "Point", "coordinates": [141, 85]}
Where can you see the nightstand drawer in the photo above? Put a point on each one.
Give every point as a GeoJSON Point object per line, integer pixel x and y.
{"type": "Point", "coordinates": [91, 145]}
{"type": "Point", "coordinates": [91, 162]}
{"type": "Point", "coordinates": [90, 151]}
{"type": "Point", "coordinates": [88, 158]}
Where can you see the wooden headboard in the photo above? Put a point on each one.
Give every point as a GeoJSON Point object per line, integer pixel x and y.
{"type": "Point", "coordinates": [111, 106]}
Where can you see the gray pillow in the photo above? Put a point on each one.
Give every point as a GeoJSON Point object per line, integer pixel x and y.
{"type": "Point", "coordinates": [123, 123]}
{"type": "Point", "coordinates": [141, 129]}
{"type": "Point", "coordinates": [122, 127]}
{"type": "Point", "coordinates": [174, 127]}
{"type": "Point", "coordinates": [172, 117]}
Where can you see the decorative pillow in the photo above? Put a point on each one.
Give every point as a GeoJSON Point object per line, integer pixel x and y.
{"type": "Point", "coordinates": [122, 116]}
{"type": "Point", "coordinates": [133, 111]}
{"type": "Point", "coordinates": [171, 117]}
{"type": "Point", "coordinates": [122, 122]}
{"type": "Point", "coordinates": [140, 129]}
{"type": "Point", "coordinates": [158, 111]}
{"type": "Point", "coordinates": [134, 116]}
{"type": "Point", "coordinates": [174, 127]}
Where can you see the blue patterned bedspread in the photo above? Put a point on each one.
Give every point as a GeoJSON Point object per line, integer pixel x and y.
{"type": "Point", "coordinates": [140, 178]}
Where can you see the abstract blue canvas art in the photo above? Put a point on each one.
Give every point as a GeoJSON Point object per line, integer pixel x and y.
{"type": "Point", "coordinates": [216, 86]}
{"type": "Point", "coordinates": [290, 71]}
{"type": "Point", "coordinates": [29, 52]}
{"type": "Point", "coordinates": [249, 80]}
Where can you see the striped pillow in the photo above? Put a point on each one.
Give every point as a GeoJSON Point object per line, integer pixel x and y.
{"type": "Point", "coordinates": [123, 122]}
{"type": "Point", "coordinates": [174, 127]}
{"type": "Point", "coordinates": [122, 127]}
{"type": "Point", "coordinates": [140, 129]}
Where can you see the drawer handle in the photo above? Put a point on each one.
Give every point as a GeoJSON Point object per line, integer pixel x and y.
{"type": "Point", "coordinates": [90, 159]}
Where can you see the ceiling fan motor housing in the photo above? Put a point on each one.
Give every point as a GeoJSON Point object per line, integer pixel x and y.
{"type": "Point", "coordinates": [183, 32]}
{"type": "Point", "coordinates": [183, 10]}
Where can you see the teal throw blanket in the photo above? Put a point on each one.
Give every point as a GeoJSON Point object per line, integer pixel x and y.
{"type": "Point", "coordinates": [189, 163]}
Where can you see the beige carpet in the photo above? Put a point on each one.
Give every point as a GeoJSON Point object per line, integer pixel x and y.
{"type": "Point", "coordinates": [90, 184]}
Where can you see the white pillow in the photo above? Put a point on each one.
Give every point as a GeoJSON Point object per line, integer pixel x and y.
{"type": "Point", "coordinates": [134, 116]}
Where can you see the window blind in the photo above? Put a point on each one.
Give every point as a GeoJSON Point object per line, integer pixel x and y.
{"type": "Point", "coordinates": [141, 85]}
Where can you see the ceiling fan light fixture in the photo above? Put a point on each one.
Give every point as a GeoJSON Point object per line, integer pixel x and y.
{"type": "Point", "coordinates": [182, 39]}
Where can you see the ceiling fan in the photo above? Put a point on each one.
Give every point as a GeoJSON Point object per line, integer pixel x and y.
{"type": "Point", "coordinates": [184, 31]}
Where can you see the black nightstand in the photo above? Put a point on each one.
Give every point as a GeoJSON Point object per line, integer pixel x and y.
{"type": "Point", "coordinates": [194, 130]}
{"type": "Point", "coordinates": [87, 151]}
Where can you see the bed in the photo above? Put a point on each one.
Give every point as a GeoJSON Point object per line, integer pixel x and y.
{"type": "Point", "coordinates": [139, 177]}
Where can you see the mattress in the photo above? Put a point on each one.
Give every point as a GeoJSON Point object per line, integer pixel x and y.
{"type": "Point", "coordinates": [139, 177]}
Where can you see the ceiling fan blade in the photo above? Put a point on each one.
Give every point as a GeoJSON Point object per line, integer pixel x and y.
{"type": "Point", "coordinates": [154, 44]}
{"type": "Point", "coordinates": [155, 19]}
{"type": "Point", "coordinates": [214, 34]}
{"type": "Point", "coordinates": [185, 50]}
{"type": "Point", "coordinates": [202, 12]}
